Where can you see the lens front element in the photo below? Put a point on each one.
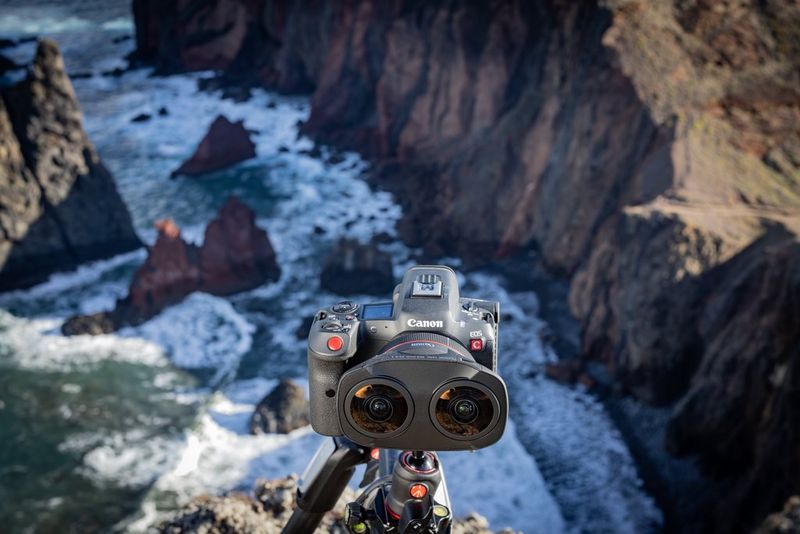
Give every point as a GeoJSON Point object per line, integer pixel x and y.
{"type": "Point", "coordinates": [378, 408]}
{"type": "Point", "coordinates": [464, 411]}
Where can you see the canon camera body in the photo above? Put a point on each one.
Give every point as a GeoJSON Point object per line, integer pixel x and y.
{"type": "Point", "coordinates": [419, 372]}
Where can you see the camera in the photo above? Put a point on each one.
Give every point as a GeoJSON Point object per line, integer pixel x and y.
{"type": "Point", "coordinates": [419, 372]}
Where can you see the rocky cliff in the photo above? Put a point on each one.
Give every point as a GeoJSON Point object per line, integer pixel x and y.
{"type": "Point", "coordinates": [59, 205]}
{"type": "Point", "coordinates": [650, 151]}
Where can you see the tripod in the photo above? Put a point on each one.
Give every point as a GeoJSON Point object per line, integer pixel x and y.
{"type": "Point", "coordinates": [403, 492]}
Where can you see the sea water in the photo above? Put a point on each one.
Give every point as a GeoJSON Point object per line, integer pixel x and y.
{"type": "Point", "coordinates": [116, 432]}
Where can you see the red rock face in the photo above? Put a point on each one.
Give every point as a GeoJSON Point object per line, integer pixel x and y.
{"type": "Point", "coordinates": [235, 252]}
{"type": "Point", "coordinates": [225, 144]}
{"type": "Point", "coordinates": [169, 273]}
{"type": "Point", "coordinates": [235, 256]}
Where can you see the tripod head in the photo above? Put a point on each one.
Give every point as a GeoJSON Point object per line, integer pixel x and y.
{"type": "Point", "coordinates": [402, 493]}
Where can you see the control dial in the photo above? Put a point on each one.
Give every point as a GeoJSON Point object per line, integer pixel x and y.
{"type": "Point", "coordinates": [344, 306]}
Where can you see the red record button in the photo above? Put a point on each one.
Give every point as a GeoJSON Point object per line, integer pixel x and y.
{"type": "Point", "coordinates": [476, 344]}
{"type": "Point", "coordinates": [335, 343]}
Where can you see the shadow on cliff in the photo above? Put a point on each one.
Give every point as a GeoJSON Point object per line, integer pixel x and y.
{"type": "Point", "coordinates": [64, 236]}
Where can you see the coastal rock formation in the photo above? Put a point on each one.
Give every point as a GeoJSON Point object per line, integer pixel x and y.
{"type": "Point", "coordinates": [354, 268]}
{"type": "Point", "coordinates": [59, 206]}
{"type": "Point", "coordinates": [269, 511]}
{"type": "Point", "coordinates": [226, 143]}
{"type": "Point", "coordinates": [236, 255]}
{"type": "Point", "coordinates": [284, 409]}
{"type": "Point", "coordinates": [650, 151]}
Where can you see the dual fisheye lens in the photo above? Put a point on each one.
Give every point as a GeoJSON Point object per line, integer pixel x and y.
{"type": "Point", "coordinates": [459, 410]}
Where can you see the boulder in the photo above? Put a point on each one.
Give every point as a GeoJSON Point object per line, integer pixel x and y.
{"type": "Point", "coordinates": [284, 409]}
{"type": "Point", "coordinates": [354, 268]}
{"type": "Point", "coordinates": [95, 324]}
{"type": "Point", "coordinates": [236, 255]}
{"type": "Point", "coordinates": [141, 117]}
{"type": "Point", "coordinates": [59, 206]}
{"type": "Point", "coordinates": [226, 143]}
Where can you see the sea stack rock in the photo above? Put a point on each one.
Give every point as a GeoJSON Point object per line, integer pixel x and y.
{"type": "Point", "coordinates": [353, 268]}
{"type": "Point", "coordinates": [225, 144]}
{"type": "Point", "coordinates": [284, 409]}
{"type": "Point", "coordinates": [235, 256]}
{"type": "Point", "coordinates": [59, 206]}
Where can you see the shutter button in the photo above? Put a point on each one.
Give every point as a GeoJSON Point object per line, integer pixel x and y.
{"type": "Point", "coordinates": [335, 343]}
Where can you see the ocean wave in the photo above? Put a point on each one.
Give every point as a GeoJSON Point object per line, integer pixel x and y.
{"type": "Point", "coordinates": [201, 332]}
{"type": "Point", "coordinates": [37, 344]}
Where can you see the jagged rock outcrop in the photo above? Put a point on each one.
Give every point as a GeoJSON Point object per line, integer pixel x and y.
{"type": "Point", "coordinates": [354, 268]}
{"type": "Point", "coordinates": [226, 143]}
{"type": "Point", "coordinates": [648, 150]}
{"type": "Point", "coordinates": [236, 255]}
{"type": "Point", "coordinates": [59, 206]}
{"type": "Point", "coordinates": [269, 511]}
{"type": "Point", "coordinates": [284, 409]}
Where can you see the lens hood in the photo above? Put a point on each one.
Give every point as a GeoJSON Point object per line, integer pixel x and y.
{"type": "Point", "coordinates": [424, 372]}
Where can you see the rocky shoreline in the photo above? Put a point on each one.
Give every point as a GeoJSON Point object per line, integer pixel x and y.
{"type": "Point", "coordinates": [649, 152]}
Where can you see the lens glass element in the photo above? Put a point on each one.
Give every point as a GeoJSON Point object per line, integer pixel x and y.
{"type": "Point", "coordinates": [378, 408]}
{"type": "Point", "coordinates": [464, 411]}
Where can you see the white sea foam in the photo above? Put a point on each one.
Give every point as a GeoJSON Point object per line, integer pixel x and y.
{"type": "Point", "coordinates": [36, 344]}
{"type": "Point", "coordinates": [503, 484]}
{"type": "Point", "coordinates": [17, 24]}
{"type": "Point", "coordinates": [118, 24]}
{"type": "Point", "coordinates": [133, 458]}
{"type": "Point", "coordinates": [84, 275]}
{"type": "Point", "coordinates": [218, 455]}
{"type": "Point", "coordinates": [202, 332]}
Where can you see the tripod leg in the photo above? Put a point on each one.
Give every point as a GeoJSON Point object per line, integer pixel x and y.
{"type": "Point", "coordinates": [323, 483]}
